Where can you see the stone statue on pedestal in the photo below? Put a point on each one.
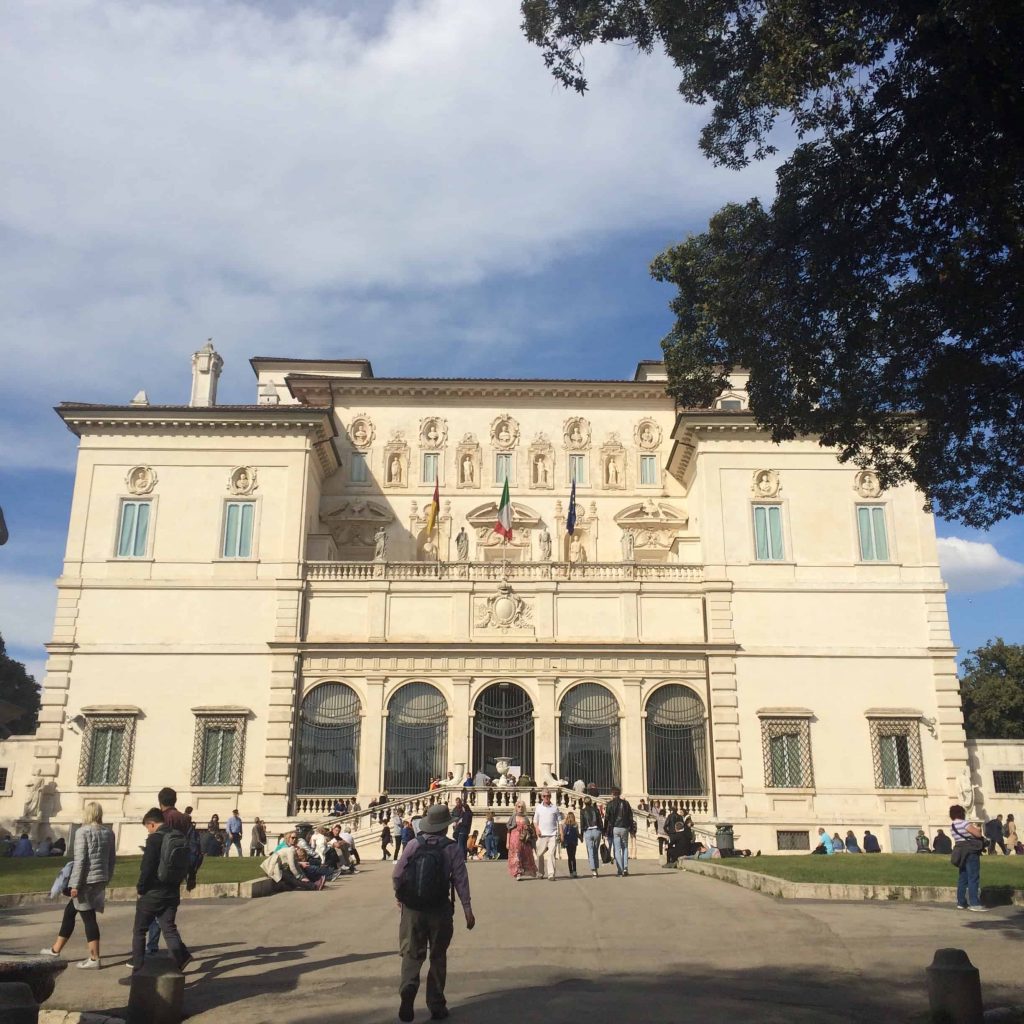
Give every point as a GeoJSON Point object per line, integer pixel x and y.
{"type": "Point", "coordinates": [545, 545]}
{"type": "Point", "coordinates": [380, 545]}
{"type": "Point", "coordinates": [462, 545]}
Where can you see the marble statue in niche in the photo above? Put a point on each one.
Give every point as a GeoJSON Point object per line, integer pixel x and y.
{"type": "Point", "coordinates": [544, 542]}
{"type": "Point", "coordinates": [380, 545]}
{"type": "Point", "coordinates": [462, 545]}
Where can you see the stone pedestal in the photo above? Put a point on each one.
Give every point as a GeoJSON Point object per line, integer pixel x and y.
{"type": "Point", "coordinates": [17, 1004]}
{"type": "Point", "coordinates": [157, 993]}
{"type": "Point", "coordinates": [954, 988]}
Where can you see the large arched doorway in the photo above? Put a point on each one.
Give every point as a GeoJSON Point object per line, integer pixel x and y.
{"type": "Point", "coordinates": [503, 727]}
{"type": "Point", "coordinates": [328, 758]}
{"type": "Point", "coordinates": [416, 741]}
{"type": "Point", "coordinates": [676, 734]}
{"type": "Point", "coordinates": [588, 736]}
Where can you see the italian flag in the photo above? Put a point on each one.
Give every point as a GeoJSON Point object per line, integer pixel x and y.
{"type": "Point", "coordinates": [504, 523]}
{"type": "Point", "coordinates": [433, 508]}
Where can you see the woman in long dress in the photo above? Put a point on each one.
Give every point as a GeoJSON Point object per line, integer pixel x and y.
{"type": "Point", "coordinates": [520, 844]}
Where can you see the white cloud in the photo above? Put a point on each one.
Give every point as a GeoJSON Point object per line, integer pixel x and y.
{"type": "Point", "coordinates": [970, 566]}
{"type": "Point", "coordinates": [27, 605]}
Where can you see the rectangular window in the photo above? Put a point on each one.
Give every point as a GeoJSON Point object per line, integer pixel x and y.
{"type": "Point", "coordinates": [238, 529]}
{"type": "Point", "coordinates": [218, 750]}
{"type": "Point", "coordinates": [896, 752]}
{"type": "Point", "coordinates": [358, 470]}
{"type": "Point", "coordinates": [503, 467]}
{"type": "Point", "coordinates": [134, 530]}
{"type": "Point", "coordinates": [768, 533]}
{"type": "Point", "coordinates": [874, 545]}
{"type": "Point", "coordinates": [429, 467]}
{"type": "Point", "coordinates": [793, 840]}
{"type": "Point", "coordinates": [3, 779]}
{"type": "Point", "coordinates": [648, 470]}
{"type": "Point", "coordinates": [730, 403]}
{"type": "Point", "coordinates": [106, 751]}
{"type": "Point", "coordinates": [786, 746]}
{"type": "Point", "coordinates": [1002, 782]}
{"type": "Point", "coordinates": [578, 470]}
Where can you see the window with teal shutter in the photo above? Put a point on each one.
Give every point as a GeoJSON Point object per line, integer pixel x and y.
{"type": "Point", "coordinates": [217, 756]}
{"type": "Point", "coordinates": [134, 530]}
{"type": "Point", "coordinates": [768, 533]}
{"type": "Point", "coordinates": [238, 524]}
{"type": "Point", "coordinates": [874, 544]}
{"type": "Point", "coordinates": [502, 467]}
{"type": "Point", "coordinates": [648, 470]}
{"type": "Point", "coordinates": [786, 746]}
{"type": "Point", "coordinates": [578, 469]}
{"type": "Point", "coordinates": [358, 468]}
{"type": "Point", "coordinates": [105, 763]}
{"type": "Point", "coordinates": [218, 750]}
{"type": "Point", "coordinates": [429, 467]}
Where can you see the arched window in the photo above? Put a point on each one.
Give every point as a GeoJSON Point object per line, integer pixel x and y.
{"type": "Point", "coordinates": [416, 741]}
{"type": "Point", "coordinates": [588, 736]}
{"type": "Point", "coordinates": [676, 732]}
{"type": "Point", "coordinates": [328, 761]}
{"type": "Point", "coordinates": [503, 727]}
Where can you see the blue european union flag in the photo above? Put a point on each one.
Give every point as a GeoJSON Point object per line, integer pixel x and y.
{"type": "Point", "coordinates": [570, 519]}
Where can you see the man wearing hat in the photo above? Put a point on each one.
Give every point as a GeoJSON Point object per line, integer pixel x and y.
{"type": "Point", "coordinates": [425, 895]}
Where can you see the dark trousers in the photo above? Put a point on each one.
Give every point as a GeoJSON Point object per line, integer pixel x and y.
{"type": "Point", "coordinates": [570, 856]}
{"type": "Point", "coordinates": [162, 910]}
{"type": "Point", "coordinates": [418, 931]}
{"type": "Point", "coordinates": [67, 924]}
{"type": "Point", "coordinates": [994, 841]}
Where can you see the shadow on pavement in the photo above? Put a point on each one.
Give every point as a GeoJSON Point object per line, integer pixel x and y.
{"type": "Point", "coordinates": [1009, 925]}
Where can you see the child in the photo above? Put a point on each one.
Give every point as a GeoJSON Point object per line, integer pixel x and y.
{"type": "Point", "coordinates": [570, 840]}
{"type": "Point", "coordinates": [385, 842]}
{"type": "Point", "coordinates": [472, 849]}
{"type": "Point", "coordinates": [408, 835]}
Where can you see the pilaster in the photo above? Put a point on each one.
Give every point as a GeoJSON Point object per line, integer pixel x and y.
{"type": "Point", "coordinates": [371, 741]}
{"type": "Point", "coordinates": [545, 724]}
{"type": "Point", "coordinates": [459, 748]}
{"type": "Point", "coordinates": [631, 725]}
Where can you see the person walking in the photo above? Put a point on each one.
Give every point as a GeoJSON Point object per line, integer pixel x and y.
{"type": "Point", "coordinates": [968, 842]}
{"type": "Point", "coordinates": [385, 842]}
{"type": "Point", "coordinates": [258, 839]}
{"type": "Point", "coordinates": [1010, 834]}
{"type": "Point", "coordinates": [91, 870]}
{"type": "Point", "coordinates": [592, 824]}
{"type": "Point", "coordinates": [521, 840]}
{"type": "Point", "coordinates": [994, 834]}
{"type": "Point", "coordinates": [661, 831]}
{"type": "Point", "coordinates": [165, 865]}
{"type": "Point", "coordinates": [431, 870]}
{"type": "Point", "coordinates": [167, 800]}
{"type": "Point", "coordinates": [490, 840]}
{"type": "Point", "coordinates": [618, 821]}
{"type": "Point", "coordinates": [234, 836]}
{"type": "Point", "coordinates": [545, 822]}
{"type": "Point", "coordinates": [570, 840]}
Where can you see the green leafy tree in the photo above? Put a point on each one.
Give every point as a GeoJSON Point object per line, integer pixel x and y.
{"type": "Point", "coordinates": [992, 688]}
{"type": "Point", "coordinates": [19, 688]}
{"type": "Point", "coordinates": [877, 302]}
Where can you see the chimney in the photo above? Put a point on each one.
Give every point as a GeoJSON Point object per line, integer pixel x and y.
{"type": "Point", "coordinates": [206, 367]}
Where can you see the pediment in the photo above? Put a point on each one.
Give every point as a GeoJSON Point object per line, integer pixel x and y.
{"type": "Point", "coordinates": [354, 510]}
{"type": "Point", "coordinates": [653, 515]}
{"type": "Point", "coordinates": [487, 515]}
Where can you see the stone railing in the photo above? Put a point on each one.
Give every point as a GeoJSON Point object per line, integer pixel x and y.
{"type": "Point", "coordinates": [496, 571]}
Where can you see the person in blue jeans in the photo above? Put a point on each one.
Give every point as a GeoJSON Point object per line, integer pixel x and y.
{"type": "Point", "coordinates": [969, 841]}
{"type": "Point", "coordinates": [490, 839]}
{"type": "Point", "coordinates": [618, 820]}
{"type": "Point", "coordinates": [592, 825]}
{"type": "Point", "coordinates": [234, 837]}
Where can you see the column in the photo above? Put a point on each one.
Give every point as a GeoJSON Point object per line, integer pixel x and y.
{"type": "Point", "coordinates": [545, 724]}
{"type": "Point", "coordinates": [631, 738]}
{"type": "Point", "coordinates": [459, 749]}
{"type": "Point", "coordinates": [371, 741]}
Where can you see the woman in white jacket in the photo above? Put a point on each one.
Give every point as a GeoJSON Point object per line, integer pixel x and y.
{"type": "Point", "coordinates": [92, 869]}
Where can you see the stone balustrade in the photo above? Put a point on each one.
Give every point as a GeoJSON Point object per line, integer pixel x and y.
{"type": "Point", "coordinates": [613, 572]}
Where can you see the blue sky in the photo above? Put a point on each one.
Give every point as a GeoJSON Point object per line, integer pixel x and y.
{"type": "Point", "coordinates": [400, 180]}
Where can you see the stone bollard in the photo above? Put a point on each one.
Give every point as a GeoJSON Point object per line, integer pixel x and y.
{"type": "Point", "coordinates": [17, 1004]}
{"type": "Point", "coordinates": [157, 993]}
{"type": "Point", "coordinates": [954, 988]}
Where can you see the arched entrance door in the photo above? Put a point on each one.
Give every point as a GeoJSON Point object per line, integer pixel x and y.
{"type": "Point", "coordinates": [416, 741]}
{"type": "Point", "coordinates": [328, 756]}
{"type": "Point", "coordinates": [676, 732]}
{"type": "Point", "coordinates": [588, 736]}
{"type": "Point", "coordinates": [503, 726]}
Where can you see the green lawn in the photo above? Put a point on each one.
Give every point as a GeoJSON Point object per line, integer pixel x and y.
{"type": "Point", "coordinates": [37, 874]}
{"type": "Point", "coordinates": [881, 869]}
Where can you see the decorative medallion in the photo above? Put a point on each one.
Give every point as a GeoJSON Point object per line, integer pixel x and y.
{"type": "Point", "coordinates": [361, 431]}
{"type": "Point", "coordinates": [141, 479]}
{"type": "Point", "coordinates": [504, 433]}
{"type": "Point", "coordinates": [505, 610]}
{"type": "Point", "coordinates": [765, 483]}
{"type": "Point", "coordinates": [433, 432]}
{"type": "Point", "coordinates": [647, 435]}
{"type": "Point", "coordinates": [576, 432]}
{"type": "Point", "coordinates": [242, 480]}
{"type": "Point", "coordinates": [866, 484]}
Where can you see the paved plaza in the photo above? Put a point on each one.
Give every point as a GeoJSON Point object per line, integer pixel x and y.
{"type": "Point", "coordinates": [658, 947]}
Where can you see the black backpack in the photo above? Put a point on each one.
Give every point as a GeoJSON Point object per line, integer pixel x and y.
{"type": "Point", "coordinates": [174, 859]}
{"type": "Point", "coordinates": [426, 881]}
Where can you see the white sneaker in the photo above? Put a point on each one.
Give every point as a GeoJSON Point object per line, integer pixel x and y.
{"type": "Point", "coordinates": [979, 909]}
{"type": "Point", "coordinates": [48, 952]}
{"type": "Point", "coordinates": [89, 965]}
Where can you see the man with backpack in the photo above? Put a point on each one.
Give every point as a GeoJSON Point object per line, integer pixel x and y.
{"type": "Point", "coordinates": [165, 865]}
{"type": "Point", "coordinates": [427, 876]}
{"type": "Point", "coordinates": [619, 826]}
{"type": "Point", "coordinates": [167, 798]}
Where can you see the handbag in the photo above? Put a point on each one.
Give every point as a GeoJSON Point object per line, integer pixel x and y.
{"type": "Point", "coordinates": [962, 850]}
{"type": "Point", "coordinates": [606, 854]}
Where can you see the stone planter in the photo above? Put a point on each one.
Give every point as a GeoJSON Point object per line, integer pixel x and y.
{"type": "Point", "coordinates": [38, 972]}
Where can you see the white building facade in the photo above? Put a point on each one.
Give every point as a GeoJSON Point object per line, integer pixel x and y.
{"type": "Point", "coordinates": [253, 611]}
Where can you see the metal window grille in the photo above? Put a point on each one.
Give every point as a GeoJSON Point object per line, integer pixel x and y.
{"type": "Point", "coordinates": [503, 727]}
{"type": "Point", "coordinates": [793, 840]}
{"type": "Point", "coordinates": [416, 740]}
{"type": "Point", "coordinates": [219, 750]}
{"type": "Point", "coordinates": [3, 778]}
{"type": "Point", "coordinates": [107, 745]}
{"type": "Point", "coordinates": [588, 736]}
{"type": "Point", "coordinates": [786, 746]}
{"type": "Point", "coordinates": [1005, 782]}
{"type": "Point", "coordinates": [329, 726]}
{"type": "Point", "coordinates": [676, 734]}
{"type": "Point", "coordinates": [896, 753]}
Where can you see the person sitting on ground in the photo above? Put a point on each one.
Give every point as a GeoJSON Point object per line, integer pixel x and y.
{"type": "Point", "coordinates": [824, 843]}
{"type": "Point", "coordinates": [473, 848]}
{"type": "Point", "coordinates": [702, 852]}
{"type": "Point", "coordinates": [23, 847]}
{"type": "Point", "coordinates": [318, 842]}
{"type": "Point", "coordinates": [678, 845]}
{"type": "Point", "coordinates": [345, 836]}
{"type": "Point", "coordinates": [283, 867]}
{"type": "Point", "coordinates": [60, 848]}
{"type": "Point", "coordinates": [942, 843]}
{"type": "Point", "coordinates": [851, 843]}
{"type": "Point", "coordinates": [871, 843]}
{"type": "Point", "coordinates": [45, 847]}
{"type": "Point", "coordinates": [921, 841]}
{"type": "Point", "coordinates": [838, 845]}
{"type": "Point", "coordinates": [212, 844]}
